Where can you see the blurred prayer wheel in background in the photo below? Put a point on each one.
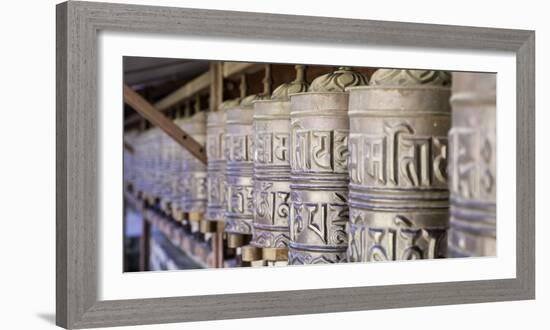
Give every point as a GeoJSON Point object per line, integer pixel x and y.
{"type": "Point", "coordinates": [131, 139]}
{"type": "Point", "coordinates": [169, 172]}
{"type": "Point", "coordinates": [155, 174]}
{"type": "Point", "coordinates": [239, 170]}
{"type": "Point", "coordinates": [272, 169]}
{"type": "Point", "coordinates": [319, 169]}
{"type": "Point", "coordinates": [215, 128]}
{"type": "Point", "coordinates": [194, 172]}
{"type": "Point", "coordinates": [398, 158]}
{"type": "Point", "coordinates": [179, 157]}
{"type": "Point", "coordinates": [472, 165]}
{"type": "Point", "coordinates": [140, 163]}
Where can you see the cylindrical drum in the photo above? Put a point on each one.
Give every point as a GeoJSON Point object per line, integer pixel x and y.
{"type": "Point", "coordinates": [472, 165]}
{"type": "Point", "coordinates": [216, 166]}
{"type": "Point", "coordinates": [146, 156]}
{"type": "Point", "coordinates": [319, 169]}
{"type": "Point", "coordinates": [272, 170]}
{"type": "Point", "coordinates": [399, 200]}
{"type": "Point", "coordinates": [239, 148]}
{"type": "Point", "coordinates": [177, 156]}
{"type": "Point", "coordinates": [129, 158]}
{"type": "Point", "coordinates": [271, 173]}
{"type": "Point", "coordinates": [194, 171]}
{"type": "Point", "coordinates": [140, 162]}
{"type": "Point", "coordinates": [154, 147]}
{"type": "Point", "coordinates": [167, 172]}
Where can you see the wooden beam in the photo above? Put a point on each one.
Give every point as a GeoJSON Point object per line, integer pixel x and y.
{"type": "Point", "coordinates": [144, 245]}
{"type": "Point", "coordinates": [232, 69]}
{"type": "Point", "coordinates": [153, 115]}
{"type": "Point", "coordinates": [194, 86]}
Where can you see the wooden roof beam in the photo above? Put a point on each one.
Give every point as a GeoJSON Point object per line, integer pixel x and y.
{"type": "Point", "coordinates": [234, 69]}
{"type": "Point", "coordinates": [156, 117]}
{"type": "Point", "coordinates": [196, 85]}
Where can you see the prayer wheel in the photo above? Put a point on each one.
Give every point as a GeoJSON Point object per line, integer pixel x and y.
{"type": "Point", "coordinates": [472, 165]}
{"type": "Point", "coordinates": [168, 171]}
{"type": "Point", "coordinates": [131, 139]}
{"type": "Point", "coordinates": [178, 156]}
{"type": "Point", "coordinates": [139, 163]}
{"type": "Point", "coordinates": [239, 168]}
{"type": "Point", "coordinates": [399, 200]}
{"type": "Point", "coordinates": [239, 154]}
{"type": "Point", "coordinates": [319, 169]}
{"type": "Point", "coordinates": [272, 170]}
{"type": "Point", "coordinates": [155, 173]}
{"type": "Point", "coordinates": [194, 197]}
{"type": "Point", "coordinates": [215, 131]}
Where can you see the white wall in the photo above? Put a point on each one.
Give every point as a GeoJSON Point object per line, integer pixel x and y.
{"type": "Point", "coordinates": [27, 140]}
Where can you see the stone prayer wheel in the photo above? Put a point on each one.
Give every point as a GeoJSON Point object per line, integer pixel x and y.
{"type": "Point", "coordinates": [399, 198]}
{"type": "Point", "coordinates": [319, 169]}
{"type": "Point", "coordinates": [272, 170]}
{"type": "Point", "coordinates": [194, 197]}
{"type": "Point", "coordinates": [472, 165]}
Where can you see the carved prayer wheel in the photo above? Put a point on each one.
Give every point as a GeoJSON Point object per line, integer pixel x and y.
{"type": "Point", "coordinates": [178, 156]}
{"type": "Point", "coordinates": [398, 158]}
{"type": "Point", "coordinates": [239, 168]}
{"type": "Point", "coordinates": [272, 170]}
{"type": "Point", "coordinates": [319, 169]}
{"type": "Point", "coordinates": [472, 165]}
{"type": "Point", "coordinates": [169, 171]}
{"type": "Point", "coordinates": [215, 131]}
{"type": "Point", "coordinates": [194, 197]}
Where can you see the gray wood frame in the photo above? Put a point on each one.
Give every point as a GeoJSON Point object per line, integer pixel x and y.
{"type": "Point", "coordinates": [77, 186]}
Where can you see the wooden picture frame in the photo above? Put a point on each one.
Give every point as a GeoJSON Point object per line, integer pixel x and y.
{"type": "Point", "coordinates": [78, 24]}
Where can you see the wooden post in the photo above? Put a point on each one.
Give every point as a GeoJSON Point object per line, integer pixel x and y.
{"type": "Point", "coordinates": [216, 85]}
{"type": "Point", "coordinates": [145, 245]}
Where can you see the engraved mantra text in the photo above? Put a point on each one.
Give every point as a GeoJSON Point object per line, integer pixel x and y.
{"type": "Point", "coordinates": [398, 158]}
{"type": "Point", "coordinates": [320, 150]}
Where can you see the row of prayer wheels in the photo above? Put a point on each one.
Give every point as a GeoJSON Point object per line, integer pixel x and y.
{"type": "Point", "coordinates": [396, 167]}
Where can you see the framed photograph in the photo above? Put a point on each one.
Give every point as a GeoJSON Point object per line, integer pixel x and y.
{"type": "Point", "coordinates": [218, 165]}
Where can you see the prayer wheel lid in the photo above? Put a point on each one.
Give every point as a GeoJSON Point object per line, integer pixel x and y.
{"type": "Point", "coordinates": [215, 118]}
{"type": "Point", "coordinates": [249, 100]}
{"type": "Point", "coordinates": [473, 87]}
{"type": "Point", "coordinates": [298, 85]}
{"type": "Point", "coordinates": [179, 121]}
{"type": "Point", "coordinates": [199, 117]}
{"type": "Point", "coordinates": [337, 81]}
{"type": "Point", "coordinates": [407, 78]}
{"type": "Point", "coordinates": [229, 104]}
